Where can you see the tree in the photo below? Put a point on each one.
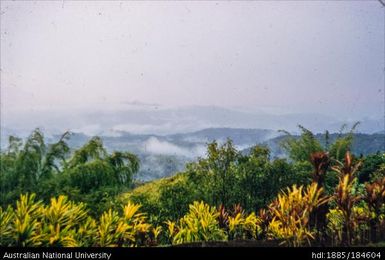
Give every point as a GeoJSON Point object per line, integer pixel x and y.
{"type": "Point", "coordinates": [215, 176]}
{"type": "Point", "coordinates": [299, 149]}
{"type": "Point", "coordinates": [29, 166]}
{"type": "Point", "coordinates": [371, 164]}
{"type": "Point", "coordinates": [124, 165]}
{"type": "Point", "coordinates": [343, 143]}
{"type": "Point", "coordinates": [91, 167]}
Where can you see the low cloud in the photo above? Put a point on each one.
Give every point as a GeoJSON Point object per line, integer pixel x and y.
{"type": "Point", "coordinates": [156, 146]}
{"type": "Point", "coordinates": [173, 126]}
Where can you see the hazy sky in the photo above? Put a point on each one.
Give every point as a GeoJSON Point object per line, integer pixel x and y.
{"type": "Point", "coordinates": [316, 57]}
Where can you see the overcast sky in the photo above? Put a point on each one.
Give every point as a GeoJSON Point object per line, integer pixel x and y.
{"type": "Point", "coordinates": [290, 56]}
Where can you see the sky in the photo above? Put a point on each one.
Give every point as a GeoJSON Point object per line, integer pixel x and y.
{"type": "Point", "coordinates": [322, 57]}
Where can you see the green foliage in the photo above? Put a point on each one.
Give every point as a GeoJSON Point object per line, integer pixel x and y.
{"type": "Point", "coordinates": [164, 199]}
{"type": "Point", "coordinates": [92, 167]}
{"type": "Point", "coordinates": [259, 179]}
{"type": "Point", "coordinates": [175, 198]}
{"type": "Point", "coordinates": [64, 223]}
{"type": "Point", "coordinates": [60, 221]}
{"type": "Point", "coordinates": [89, 174]}
{"type": "Point", "coordinates": [291, 214]}
{"type": "Point", "coordinates": [92, 150]}
{"type": "Point", "coordinates": [346, 196]}
{"type": "Point", "coordinates": [124, 165]}
{"type": "Point", "coordinates": [25, 166]}
{"type": "Point", "coordinates": [343, 143]}
{"type": "Point", "coordinates": [244, 226]}
{"type": "Point", "coordinates": [227, 177]}
{"type": "Point", "coordinates": [375, 198]}
{"type": "Point", "coordinates": [110, 230]}
{"type": "Point", "coordinates": [217, 173]}
{"type": "Point", "coordinates": [25, 228]}
{"type": "Point", "coordinates": [199, 224]}
{"type": "Point", "coordinates": [371, 169]}
{"type": "Point", "coordinates": [335, 225]}
{"type": "Point", "coordinates": [6, 229]}
{"type": "Point", "coordinates": [301, 148]}
{"type": "Point", "coordinates": [80, 193]}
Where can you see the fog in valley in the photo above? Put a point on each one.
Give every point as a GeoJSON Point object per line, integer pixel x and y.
{"type": "Point", "coordinates": [162, 79]}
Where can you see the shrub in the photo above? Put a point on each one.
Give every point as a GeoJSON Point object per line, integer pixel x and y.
{"type": "Point", "coordinates": [291, 213]}
{"type": "Point", "coordinates": [199, 224]}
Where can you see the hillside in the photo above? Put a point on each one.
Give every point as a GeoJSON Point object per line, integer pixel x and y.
{"type": "Point", "coordinates": [89, 193]}
{"type": "Point", "coordinates": [363, 144]}
{"type": "Point", "coordinates": [164, 155]}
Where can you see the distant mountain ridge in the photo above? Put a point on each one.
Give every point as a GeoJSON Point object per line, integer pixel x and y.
{"type": "Point", "coordinates": [164, 155]}
{"type": "Point", "coordinates": [159, 120]}
{"type": "Point", "coordinates": [238, 135]}
{"type": "Point", "coordinates": [363, 144]}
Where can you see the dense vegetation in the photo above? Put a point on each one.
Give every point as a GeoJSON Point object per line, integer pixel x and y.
{"type": "Point", "coordinates": [88, 174]}
{"type": "Point", "coordinates": [164, 155]}
{"type": "Point", "coordinates": [322, 195]}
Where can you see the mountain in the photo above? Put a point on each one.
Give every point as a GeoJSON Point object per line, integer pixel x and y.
{"type": "Point", "coordinates": [161, 120]}
{"type": "Point", "coordinates": [362, 143]}
{"type": "Point", "coordinates": [166, 154]}
{"type": "Point", "coordinates": [238, 135]}
{"type": "Point", "coordinates": [165, 138]}
{"type": "Point", "coordinates": [163, 155]}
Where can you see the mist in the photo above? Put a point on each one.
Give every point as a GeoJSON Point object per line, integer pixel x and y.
{"type": "Point", "coordinates": [155, 146]}
{"type": "Point", "coordinates": [314, 57]}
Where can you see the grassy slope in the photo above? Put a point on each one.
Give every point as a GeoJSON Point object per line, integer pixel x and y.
{"type": "Point", "coordinates": [151, 189]}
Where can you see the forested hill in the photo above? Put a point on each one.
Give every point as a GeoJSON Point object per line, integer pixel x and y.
{"type": "Point", "coordinates": [243, 138]}
{"type": "Point", "coordinates": [164, 155]}
{"type": "Point", "coordinates": [362, 144]}
{"type": "Point", "coordinates": [226, 195]}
